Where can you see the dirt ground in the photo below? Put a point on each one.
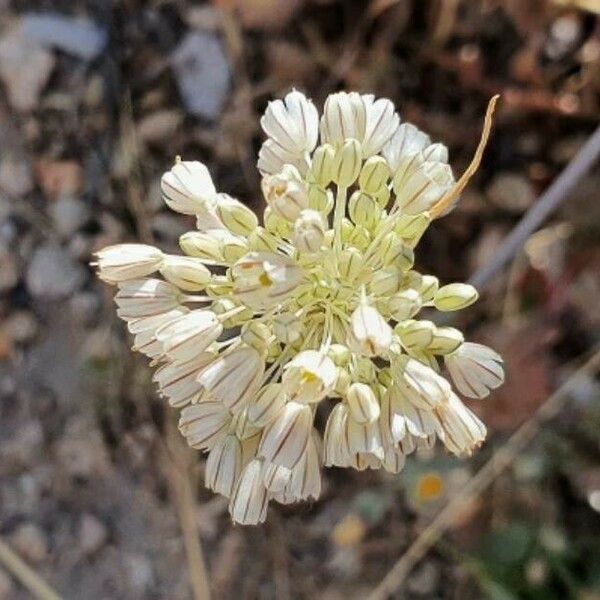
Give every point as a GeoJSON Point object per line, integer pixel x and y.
{"type": "Point", "coordinates": [96, 100]}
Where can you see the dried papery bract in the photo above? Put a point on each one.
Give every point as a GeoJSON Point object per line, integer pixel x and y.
{"type": "Point", "coordinates": [258, 327]}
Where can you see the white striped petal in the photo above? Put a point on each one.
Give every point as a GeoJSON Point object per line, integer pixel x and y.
{"type": "Point", "coordinates": [249, 501]}
{"type": "Point", "coordinates": [127, 261]}
{"type": "Point", "coordinates": [204, 424]}
{"type": "Point", "coordinates": [381, 123]}
{"type": "Point", "coordinates": [141, 298]}
{"type": "Point", "coordinates": [188, 188]}
{"type": "Point", "coordinates": [406, 141]}
{"type": "Point", "coordinates": [224, 465]}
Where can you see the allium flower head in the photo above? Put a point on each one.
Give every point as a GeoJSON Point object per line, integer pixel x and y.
{"type": "Point", "coordinates": [259, 328]}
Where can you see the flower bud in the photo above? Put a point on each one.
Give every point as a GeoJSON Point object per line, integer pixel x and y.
{"type": "Point", "coordinates": [239, 219]}
{"type": "Point", "coordinates": [364, 210]}
{"type": "Point", "coordinates": [382, 195]}
{"type": "Point", "coordinates": [185, 272]}
{"type": "Point", "coordinates": [370, 335]}
{"type": "Point", "coordinates": [362, 402]}
{"type": "Point", "coordinates": [233, 248]}
{"type": "Point", "coordinates": [342, 382]}
{"type": "Point", "coordinates": [350, 264]}
{"type": "Point", "coordinates": [127, 261]}
{"type": "Point", "coordinates": [344, 116]}
{"type": "Point", "coordinates": [347, 163]}
{"type": "Point", "coordinates": [320, 199]}
{"type": "Point", "coordinates": [286, 193]}
{"type": "Point", "coordinates": [374, 175]}
{"type": "Point", "coordinates": [363, 370]}
{"type": "Point", "coordinates": [339, 354]}
{"type": "Point", "coordinates": [201, 245]}
{"type": "Point", "coordinates": [404, 305]}
{"type": "Point", "coordinates": [415, 334]}
{"type": "Point", "coordinates": [360, 238]}
{"type": "Point", "coordinates": [309, 231]}
{"type": "Point", "coordinates": [412, 226]}
{"type": "Point", "coordinates": [384, 282]}
{"type": "Point", "coordinates": [455, 296]}
{"type": "Point", "coordinates": [256, 335]}
{"type": "Point", "coordinates": [428, 287]}
{"type": "Point", "coordinates": [222, 306]}
{"type": "Point", "coordinates": [321, 168]}
{"type": "Point", "coordinates": [266, 404]}
{"type": "Point", "coordinates": [188, 188]}
{"type": "Point", "coordinates": [393, 251]}
{"type": "Point", "coordinates": [276, 224]}
{"type": "Point", "coordinates": [445, 340]}
{"type": "Point", "coordinates": [287, 328]}
{"type": "Point", "coordinates": [385, 377]}
{"type": "Point", "coordinates": [260, 240]}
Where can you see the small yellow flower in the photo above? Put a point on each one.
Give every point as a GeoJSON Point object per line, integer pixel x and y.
{"type": "Point", "coordinates": [257, 325]}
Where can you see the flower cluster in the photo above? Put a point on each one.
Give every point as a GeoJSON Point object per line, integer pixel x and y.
{"type": "Point", "coordinates": [296, 343]}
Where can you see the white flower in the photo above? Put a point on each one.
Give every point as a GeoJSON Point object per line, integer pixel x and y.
{"type": "Point", "coordinates": [188, 336]}
{"type": "Point", "coordinates": [188, 188]}
{"type": "Point", "coordinates": [309, 377]}
{"type": "Point", "coordinates": [261, 328]}
{"type": "Point", "coordinates": [234, 377]}
{"type": "Point", "coordinates": [127, 261]}
{"type": "Point", "coordinates": [292, 123]}
{"type": "Point", "coordinates": [475, 369]}
{"type": "Point", "coordinates": [248, 505]}
{"type": "Point", "coordinates": [204, 424]}
{"type": "Point", "coordinates": [370, 335]}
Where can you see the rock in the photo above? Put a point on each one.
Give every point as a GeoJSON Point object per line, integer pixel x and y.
{"type": "Point", "coordinates": [168, 227]}
{"type": "Point", "coordinates": [92, 534]}
{"type": "Point", "coordinates": [16, 178]}
{"type": "Point", "coordinates": [9, 270]}
{"type": "Point", "coordinates": [58, 177]}
{"type": "Point", "coordinates": [20, 326]}
{"type": "Point", "coordinates": [21, 450]}
{"type": "Point", "coordinates": [30, 542]}
{"type": "Point", "coordinates": [78, 37]}
{"type": "Point", "coordinates": [25, 68]}
{"type": "Point", "coordinates": [266, 14]}
{"type": "Point", "coordinates": [202, 72]}
{"type": "Point", "coordinates": [52, 274]}
{"type": "Point", "coordinates": [81, 452]}
{"type": "Point", "coordinates": [511, 191]}
{"type": "Point", "coordinates": [139, 573]}
{"type": "Point", "coordinates": [85, 307]}
{"type": "Point", "coordinates": [159, 125]}
{"type": "Point", "coordinates": [68, 215]}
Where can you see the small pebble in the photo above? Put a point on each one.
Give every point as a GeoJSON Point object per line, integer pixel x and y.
{"type": "Point", "coordinates": [30, 542]}
{"type": "Point", "coordinates": [92, 534]}
{"type": "Point", "coordinates": [68, 215]}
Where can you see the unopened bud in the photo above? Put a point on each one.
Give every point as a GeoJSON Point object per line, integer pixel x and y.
{"type": "Point", "coordinates": [411, 227]}
{"type": "Point", "coordinates": [428, 287]}
{"type": "Point", "coordinates": [404, 305]}
{"type": "Point", "coordinates": [201, 245]}
{"type": "Point", "coordinates": [257, 335]}
{"type": "Point", "coordinates": [446, 340]}
{"type": "Point", "coordinates": [287, 328]}
{"type": "Point", "coordinates": [260, 240]}
{"type": "Point", "coordinates": [267, 404]}
{"type": "Point", "coordinates": [385, 282]}
{"type": "Point", "coordinates": [374, 175]}
{"type": "Point", "coordinates": [364, 210]}
{"type": "Point", "coordinates": [286, 192]}
{"type": "Point", "coordinates": [342, 381]}
{"type": "Point", "coordinates": [455, 296]}
{"type": "Point", "coordinates": [309, 231]}
{"type": "Point", "coordinates": [370, 335]}
{"type": "Point", "coordinates": [415, 334]}
{"type": "Point", "coordinates": [393, 251]}
{"type": "Point", "coordinates": [339, 354]}
{"type": "Point", "coordinates": [185, 272]}
{"type": "Point", "coordinates": [320, 199]}
{"type": "Point", "coordinates": [347, 163]}
{"type": "Point", "coordinates": [321, 168]}
{"type": "Point", "coordinates": [239, 219]}
{"type": "Point", "coordinates": [350, 264]}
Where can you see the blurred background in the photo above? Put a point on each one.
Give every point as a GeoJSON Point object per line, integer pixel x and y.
{"type": "Point", "coordinates": [96, 100]}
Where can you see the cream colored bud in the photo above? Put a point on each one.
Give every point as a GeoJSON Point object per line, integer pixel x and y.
{"type": "Point", "coordinates": [221, 306]}
{"type": "Point", "coordinates": [256, 335]}
{"type": "Point", "coordinates": [455, 296]}
{"type": "Point", "coordinates": [445, 340]}
{"type": "Point", "coordinates": [321, 168]}
{"type": "Point", "coordinates": [286, 193]}
{"type": "Point", "coordinates": [233, 248]}
{"type": "Point", "coordinates": [385, 282]}
{"type": "Point", "coordinates": [364, 210]}
{"type": "Point", "coordinates": [415, 334]}
{"type": "Point", "coordinates": [369, 333]}
{"type": "Point", "coordinates": [363, 370]}
{"type": "Point", "coordinates": [188, 188]}
{"type": "Point", "coordinates": [344, 116]}
{"type": "Point", "coordinates": [239, 219]}
{"type": "Point", "coordinates": [220, 285]}
{"type": "Point", "coordinates": [374, 175]}
{"type": "Point", "coordinates": [185, 272]}
{"type": "Point", "coordinates": [260, 240]}
{"type": "Point", "coordinates": [393, 251]}
{"type": "Point", "coordinates": [428, 287]}
{"type": "Point", "coordinates": [350, 264]}
{"type": "Point", "coordinates": [342, 382]}
{"type": "Point", "coordinates": [127, 261]}
{"type": "Point", "coordinates": [385, 377]}
{"type": "Point", "coordinates": [363, 404]}
{"type": "Point", "coordinates": [404, 305]}
{"type": "Point", "coordinates": [320, 199]}
{"type": "Point", "coordinates": [201, 245]}
{"type": "Point", "coordinates": [382, 195]}
{"type": "Point", "coordinates": [412, 227]}
{"type": "Point", "coordinates": [287, 328]}
{"type": "Point", "coordinates": [347, 163]}
{"type": "Point", "coordinates": [360, 237]}
{"type": "Point", "coordinates": [266, 404]}
{"type": "Point", "coordinates": [276, 224]}
{"type": "Point", "coordinates": [339, 354]}
{"type": "Point", "coordinates": [309, 231]}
